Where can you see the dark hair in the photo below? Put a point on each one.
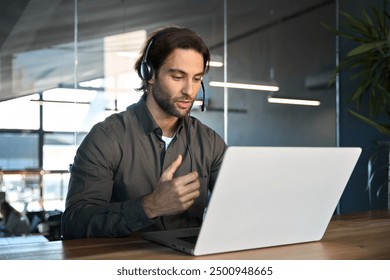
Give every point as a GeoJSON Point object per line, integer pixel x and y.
{"type": "Point", "coordinates": [166, 40]}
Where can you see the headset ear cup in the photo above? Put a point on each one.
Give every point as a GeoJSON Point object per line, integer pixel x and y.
{"type": "Point", "coordinates": [146, 70]}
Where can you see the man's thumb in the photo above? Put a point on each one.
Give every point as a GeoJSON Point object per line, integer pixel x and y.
{"type": "Point", "coordinates": [168, 173]}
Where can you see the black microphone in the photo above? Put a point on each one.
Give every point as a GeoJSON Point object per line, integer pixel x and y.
{"type": "Point", "coordinates": [203, 97]}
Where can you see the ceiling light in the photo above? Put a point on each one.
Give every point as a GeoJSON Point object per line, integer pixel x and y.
{"type": "Point", "coordinates": [215, 63]}
{"type": "Point", "coordinates": [293, 101]}
{"type": "Point", "coordinates": [244, 86]}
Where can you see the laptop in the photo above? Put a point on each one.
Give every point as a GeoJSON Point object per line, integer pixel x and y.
{"type": "Point", "coordinates": [267, 196]}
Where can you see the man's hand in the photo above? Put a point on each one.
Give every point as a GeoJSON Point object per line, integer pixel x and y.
{"type": "Point", "coordinates": [172, 195]}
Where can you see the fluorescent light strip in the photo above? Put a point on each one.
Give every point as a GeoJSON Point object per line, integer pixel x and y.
{"type": "Point", "coordinates": [198, 103]}
{"type": "Point", "coordinates": [244, 86]}
{"type": "Point", "coordinates": [294, 101]}
{"type": "Point", "coordinates": [215, 64]}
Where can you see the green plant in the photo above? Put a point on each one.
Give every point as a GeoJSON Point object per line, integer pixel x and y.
{"type": "Point", "coordinates": [381, 153]}
{"type": "Point", "coordinates": [369, 62]}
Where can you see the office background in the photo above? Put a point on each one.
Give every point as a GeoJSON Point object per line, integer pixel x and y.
{"type": "Point", "coordinates": [65, 65]}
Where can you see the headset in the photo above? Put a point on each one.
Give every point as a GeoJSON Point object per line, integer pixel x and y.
{"type": "Point", "coordinates": [146, 70]}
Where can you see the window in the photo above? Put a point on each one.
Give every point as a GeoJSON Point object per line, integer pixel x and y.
{"type": "Point", "coordinates": [20, 113]}
{"type": "Point", "coordinates": [59, 150]}
{"type": "Point", "coordinates": [18, 151]}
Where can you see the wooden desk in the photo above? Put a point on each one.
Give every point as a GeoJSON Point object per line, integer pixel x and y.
{"type": "Point", "coordinates": [354, 236]}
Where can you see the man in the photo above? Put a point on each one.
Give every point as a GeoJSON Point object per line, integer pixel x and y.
{"type": "Point", "coordinates": [152, 166]}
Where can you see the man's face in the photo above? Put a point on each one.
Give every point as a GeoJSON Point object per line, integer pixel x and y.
{"type": "Point", "coordinates": [178, 81]}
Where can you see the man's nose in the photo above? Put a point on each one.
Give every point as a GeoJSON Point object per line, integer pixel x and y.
{"type": "Point", "coordinates": [187, 87]}
{"type": "Point", "coordinates": [190, 89]}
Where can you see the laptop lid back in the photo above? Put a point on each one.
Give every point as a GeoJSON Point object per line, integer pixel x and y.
{"type": "Point", "coordinates": [270, 196]}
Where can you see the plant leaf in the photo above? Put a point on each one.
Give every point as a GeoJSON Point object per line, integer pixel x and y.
{"type": "Point", "coordinates": [360, 90]}
{"type": "Point", "coordinates": [367, 18]}
{"type": "Point", "coordinates": [354, 23]}
{"type": "Point", "coordinates": [383, 128]}
{"type": "Point", "coordinates": [366, 48]}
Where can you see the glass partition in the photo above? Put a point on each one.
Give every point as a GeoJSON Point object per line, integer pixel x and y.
{"type": "Point", "coordinates": [66, 65]}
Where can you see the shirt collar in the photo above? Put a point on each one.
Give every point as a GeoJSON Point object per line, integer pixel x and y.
{"type": "Point", "coordinates": [145, 118]}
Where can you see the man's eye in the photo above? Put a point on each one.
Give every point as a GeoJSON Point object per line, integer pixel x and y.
{"type": "Point", "coordinates": [177, 77]}
{"type": "Point", "coordinates": [198, 80]}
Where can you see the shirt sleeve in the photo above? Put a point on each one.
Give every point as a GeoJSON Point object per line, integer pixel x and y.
{"type": "Point", "coordinates": [218, 151]}
{"type": "Point", "coordinates": [88, 211]}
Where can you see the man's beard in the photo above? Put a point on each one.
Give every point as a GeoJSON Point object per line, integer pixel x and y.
{"type": "Point", "coordinates": [168, 105]}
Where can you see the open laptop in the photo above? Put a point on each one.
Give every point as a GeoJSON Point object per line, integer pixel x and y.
{"type": "Point", "coordinates": [268, 196]}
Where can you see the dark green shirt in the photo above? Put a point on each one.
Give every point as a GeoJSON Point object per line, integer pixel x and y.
{"type": "Point", "coordinates": [121, 160]}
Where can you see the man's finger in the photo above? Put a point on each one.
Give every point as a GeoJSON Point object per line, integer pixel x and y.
{"type": "Point", "coordinates": [187, 179]}
{"type": "Point", "coordinates": [168, 173]}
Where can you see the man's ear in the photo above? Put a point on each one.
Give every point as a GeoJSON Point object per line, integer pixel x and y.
{"type": "Point", "coordinates": [151, 81]}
